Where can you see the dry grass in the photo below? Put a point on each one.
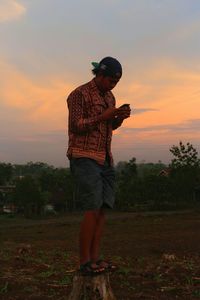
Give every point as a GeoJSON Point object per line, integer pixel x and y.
{"type": "Point", "coordinates": [158, 256]}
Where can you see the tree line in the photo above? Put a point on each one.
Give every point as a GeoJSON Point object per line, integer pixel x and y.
{"type": "Point", "coordinates": [139, 186]}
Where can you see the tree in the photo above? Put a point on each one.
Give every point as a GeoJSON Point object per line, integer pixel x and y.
{"type": "Point", "coordinates": [126, 182]}
{"type": "Point", "coordinates": [31, 168]}
{"type": "Point", "coordinates": [28, 196]}
{"type": "Point", "coordinates": [5, 173]}
{"type": "Point", "coordinates": [59, 183]}
{"type": "Point", "coordinates": [146, 169]}
{"type": "Point", "coordinates": [185, 171]}
{"type": "Point", "coordinates": [184, 156]}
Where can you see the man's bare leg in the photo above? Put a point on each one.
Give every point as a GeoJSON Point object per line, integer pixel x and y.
{"type": "Point", "coordinates": [95, 245]}
{"type": "Point", "coordinates": [87, 232]}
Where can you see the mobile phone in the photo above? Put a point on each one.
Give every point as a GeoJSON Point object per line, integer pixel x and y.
{"type": "Point", "coordinates": [124, 105]}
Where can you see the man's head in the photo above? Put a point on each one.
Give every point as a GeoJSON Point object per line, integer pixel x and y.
{"type": "Point", "coordinates": [108, 72]}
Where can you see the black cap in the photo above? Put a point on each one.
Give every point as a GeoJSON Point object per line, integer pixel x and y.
{"type": "Point", "coordinates": [110, 66]}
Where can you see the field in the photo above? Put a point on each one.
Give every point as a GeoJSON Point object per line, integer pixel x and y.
{"type": "Point", "coordinates": [158, 255]}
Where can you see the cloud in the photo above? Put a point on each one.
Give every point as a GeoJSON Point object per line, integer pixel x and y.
{"type": "Point", "coordinates": [191, 28]}
{"type": "Point", "coordinates": [169, 92]}
{"type": "Point", "coordinates": [33, 114]}
{"type": "Point", "coordinates": [41, 103]}
{"type": "Point", "coordinates": [18, 150]}
{"type": "Point", "coordinates": [154, 137]}
{"type": "Point", "coordinates": [152, 143]}
{"type": "Point", "coordinates": [142, 110]}
{"type": "Point", "coordinates": [189, 126]}
{"type": "Point", "coordinates": [11, 10]}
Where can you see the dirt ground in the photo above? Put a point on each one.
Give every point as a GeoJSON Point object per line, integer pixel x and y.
{"type": "Point", "coordinates": [158, 255]}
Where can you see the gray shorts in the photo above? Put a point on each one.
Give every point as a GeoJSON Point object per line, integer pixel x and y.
{"type": "Point", "coordinates": [94, 184]}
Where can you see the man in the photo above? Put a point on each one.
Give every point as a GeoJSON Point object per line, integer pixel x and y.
{"type": "Point", "coordinates": [92, 118]}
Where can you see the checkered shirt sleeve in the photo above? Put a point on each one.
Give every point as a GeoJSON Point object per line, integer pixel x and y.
{"type": "Point", "coordinates": [77, 122]}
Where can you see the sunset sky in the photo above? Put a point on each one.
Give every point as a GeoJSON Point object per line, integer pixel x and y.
{"type": "Point", "coordinates": [46, 50]}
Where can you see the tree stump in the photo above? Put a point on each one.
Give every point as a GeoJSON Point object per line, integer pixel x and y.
{"type": "Point", "coordinates": [91, 288]}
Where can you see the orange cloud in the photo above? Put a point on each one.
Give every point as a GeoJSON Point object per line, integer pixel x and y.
{"type": "Point", "coordinates": [11, 10]}
{"type": "Point", "coordinates": [40, 103]}
{"type": "Point", "coordinates": [171, 92]}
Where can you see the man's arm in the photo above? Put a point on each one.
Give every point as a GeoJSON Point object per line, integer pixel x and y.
{"type": "Point", "coordinates": [117, 122]}
{"type": "Point", "coordinates": [122, 114]}
{"type": "Point", "coordinates": [77, 122]}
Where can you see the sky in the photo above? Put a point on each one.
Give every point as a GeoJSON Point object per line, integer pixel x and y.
{"type": "Point", "coordinates": [46, 50]}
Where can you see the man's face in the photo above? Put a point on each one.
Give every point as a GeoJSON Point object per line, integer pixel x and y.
{"type": "Point", "coordinates": [108, 83]}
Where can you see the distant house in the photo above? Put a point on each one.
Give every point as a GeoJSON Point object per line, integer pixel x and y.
{"type": "Point", "coordinates": [49, 208]}
{"type": "Point", "coordinates": [9, 208]}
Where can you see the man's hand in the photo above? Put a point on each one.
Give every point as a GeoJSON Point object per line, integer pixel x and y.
{"type": "Point", "coordinates": [109, 114]}
{"type": "Point", "coordinates": [123, 112]}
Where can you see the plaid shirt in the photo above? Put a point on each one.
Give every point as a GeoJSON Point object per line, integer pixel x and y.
{"type": "Point", "coordinates": [88, 136]}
